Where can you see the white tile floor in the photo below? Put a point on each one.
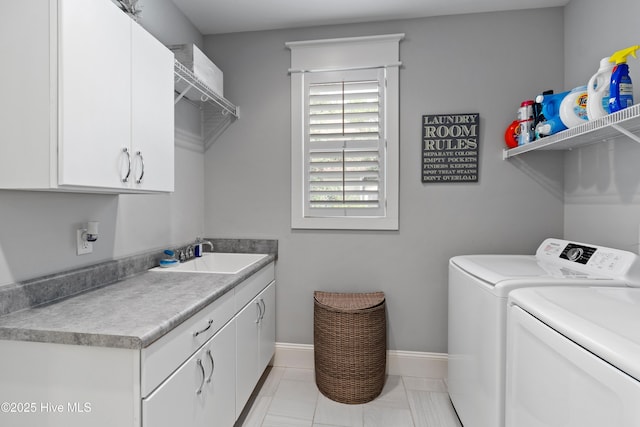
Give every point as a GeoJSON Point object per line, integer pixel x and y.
{"type": "Point", "coordinates": [290, 397]}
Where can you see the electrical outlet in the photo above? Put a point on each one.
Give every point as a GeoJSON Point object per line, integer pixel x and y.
{"type": "Point", "coordinates": [83, 246]}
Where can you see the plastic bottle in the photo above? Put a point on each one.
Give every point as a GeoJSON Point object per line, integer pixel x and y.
{"type": "Point", "coordinates": [525, 118]}
{"type": "Point", "coordinates": [551, 112]}
{"type": "Point", "coordinates": [573, 109]}
{"type": "Point", "coordinates": [598, 90]}
{"type": "Point", "coordinates": [512, 134]}
{"type": "Point", "coordinates": [621, 90]}
{"type": "Point", "coordinates": [537, 108]}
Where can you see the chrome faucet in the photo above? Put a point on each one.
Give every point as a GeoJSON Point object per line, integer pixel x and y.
{"type": "Point", "coordinates": [199, 240]}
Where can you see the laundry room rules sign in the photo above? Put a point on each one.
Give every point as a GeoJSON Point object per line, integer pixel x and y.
{"type": "Point", "coordinates": [450, 147]}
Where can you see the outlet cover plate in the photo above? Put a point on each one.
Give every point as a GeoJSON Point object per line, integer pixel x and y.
{"type": "Point", "coordinates": [83, 247]}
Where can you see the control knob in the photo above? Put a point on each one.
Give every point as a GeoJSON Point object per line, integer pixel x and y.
{"type": "Point", "coordinates": [574, 254]}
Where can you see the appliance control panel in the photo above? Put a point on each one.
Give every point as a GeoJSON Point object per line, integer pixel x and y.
{"type": "Point", "coordinates": [589, 259]}
{"type": "Point", "coordinates": [577, 253]}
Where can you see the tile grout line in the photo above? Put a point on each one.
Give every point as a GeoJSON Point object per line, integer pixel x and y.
{"type": "Point", "coordinates": [414, 413]}
{"type": "Point", "coordinates": [406, 395]}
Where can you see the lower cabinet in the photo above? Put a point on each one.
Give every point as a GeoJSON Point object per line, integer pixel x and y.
{"type": "Point", "coordinates": [255, 343]}
{"type": "Point", "coordinates": [201, 373]}
{"type": "Point", "coordinates": [201, 391]}
{"type": "Point", "coordinates": [214, 383]}
{"type": "Point", "coordinates": [267, 328]}
{"type": "Point", "coordinates": [60, 385]}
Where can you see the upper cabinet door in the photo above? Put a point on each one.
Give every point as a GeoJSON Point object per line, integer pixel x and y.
{"type": "Point", "coordinates": [94, 94]}
{"type": "Point", "coordinates": [153, 113]}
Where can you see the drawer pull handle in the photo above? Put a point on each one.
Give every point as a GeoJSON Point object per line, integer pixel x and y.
{"type": "Point", "coordinates": [213, 365]}
{"type": "Point", "coordinates": [195, 334]}
{"type": "Point", "coordinates": [199, 363]}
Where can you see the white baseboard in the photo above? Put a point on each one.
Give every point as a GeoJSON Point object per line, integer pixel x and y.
{"type": "Point", "coordinates": [290, 355]}
{"type": "Point", "coordinates": [403, 363]}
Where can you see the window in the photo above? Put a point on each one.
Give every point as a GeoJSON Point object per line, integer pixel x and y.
{"type": "Point", "coordinates": [345, 134]}
{"type": "Point", "coordinates": [344, 142]}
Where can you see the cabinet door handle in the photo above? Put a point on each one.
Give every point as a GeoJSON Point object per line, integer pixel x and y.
{"type": "Point", "coordinates": [264, 309]}
{"type": "Point", "coordinates": [195, 334]}
{"type": "Point", "coordinates": [259, 311]}
{"type": "Point", "coordinates": [213, 365]}
{"type": "Point", "coordinates": [139, 180]}
{"type": "Point", "coordinates": [125, 150]}
{"type": "Point", "coordinates": [199, 363]}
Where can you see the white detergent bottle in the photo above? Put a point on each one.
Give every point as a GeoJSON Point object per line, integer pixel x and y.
{"type": "Point", "coordinates": [573, 109]}
{"type": "Point", "coordinates": [598, 90]}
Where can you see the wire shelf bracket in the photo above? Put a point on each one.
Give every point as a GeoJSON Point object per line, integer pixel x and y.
{"type": "Point", "coordinates": [217, 112]}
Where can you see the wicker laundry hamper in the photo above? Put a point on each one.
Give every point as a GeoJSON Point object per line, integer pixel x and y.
{"type": "Point", "coordinates": [350, 345]}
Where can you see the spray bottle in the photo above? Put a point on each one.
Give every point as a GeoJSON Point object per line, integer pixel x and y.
{"type": "Point", "coordinates": [621, 89]}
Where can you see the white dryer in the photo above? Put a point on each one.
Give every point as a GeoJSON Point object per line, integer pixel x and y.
{"type": "Point", "coordinates": [573, 357]}
{"type": "Point", "coordinates": [479, 286]}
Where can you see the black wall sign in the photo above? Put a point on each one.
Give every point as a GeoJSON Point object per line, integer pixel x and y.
{"type": "Point", "coordinates": [450, 146]}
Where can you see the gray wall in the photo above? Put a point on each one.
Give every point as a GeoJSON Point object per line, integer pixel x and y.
{"type": "Point", "coordinates": [460, 64]}
{"type": "Point", "coordinates": [602, 181]}
{"type": "Point", "coordinates": [37, 229]}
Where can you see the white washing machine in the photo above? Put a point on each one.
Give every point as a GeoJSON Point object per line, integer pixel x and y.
{"type": "Point", "coordinates": [479, 286]}
{"type": "Point", "coordinates": [573, 357]}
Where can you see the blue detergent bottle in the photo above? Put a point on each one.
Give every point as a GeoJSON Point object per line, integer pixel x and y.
{"type": "Point", "coordinates": [621, 88]}
{"type": "Point", "coordinates": [551, 111]}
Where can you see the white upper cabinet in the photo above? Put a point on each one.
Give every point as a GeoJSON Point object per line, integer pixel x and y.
{"type": "Point", "coordinates": [152, 112]}
{"type": "Point", "coordinates": [94, 93]}
{"type": "Point", "coordinates": [91, 107]}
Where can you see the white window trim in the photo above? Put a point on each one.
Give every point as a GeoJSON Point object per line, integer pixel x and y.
{"type": "Point", "coordinates": [339, 55]}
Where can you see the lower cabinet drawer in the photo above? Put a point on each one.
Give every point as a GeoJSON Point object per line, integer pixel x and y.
{"type": "Point", "coordinates": [161, 358]}
{"type": "Point", "coordinates": [201, 392]}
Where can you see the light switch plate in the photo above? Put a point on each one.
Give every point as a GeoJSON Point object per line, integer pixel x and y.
{"type": "Point", "coordinates": [83, 246]}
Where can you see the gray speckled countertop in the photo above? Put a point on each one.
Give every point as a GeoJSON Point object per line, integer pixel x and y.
{"type": "Point", "coordinates": [132, 313]}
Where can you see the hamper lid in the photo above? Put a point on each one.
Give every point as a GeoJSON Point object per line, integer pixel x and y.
{"type": "Point", "coordinates": [349, 301]}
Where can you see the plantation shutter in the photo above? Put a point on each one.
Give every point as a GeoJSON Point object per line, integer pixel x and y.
{"type": "Point", "coordinates": [345, 129]}
{"type": "Point", "coordinates": [344, 143]}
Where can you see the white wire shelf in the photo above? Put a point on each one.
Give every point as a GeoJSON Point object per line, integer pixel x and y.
{"type": "Point", "coordinates": [217, 112]}
{"type": "Point", "coordinates": [621, 123]}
